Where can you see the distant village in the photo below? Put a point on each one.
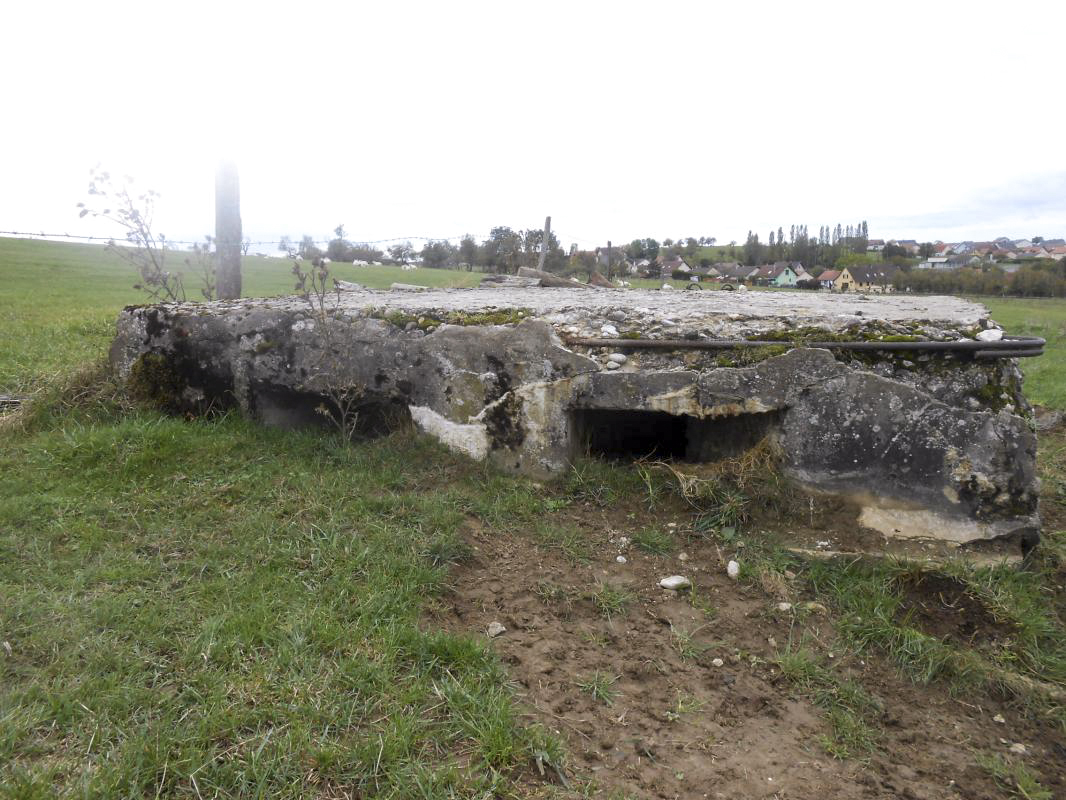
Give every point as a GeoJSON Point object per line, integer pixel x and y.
{"type": "Point", "coordinates": [1002, 251]}
{"type": "Point", "coordinates": [843, 259]}
{"type": "Point", "coordinates": [1008, 255]}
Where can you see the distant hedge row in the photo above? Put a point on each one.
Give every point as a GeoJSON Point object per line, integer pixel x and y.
{"type": "Point", "coordinates": [1039, 280]}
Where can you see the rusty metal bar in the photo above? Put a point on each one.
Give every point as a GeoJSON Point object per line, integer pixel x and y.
{"type": "Point", "coordinates": [1007, 347]}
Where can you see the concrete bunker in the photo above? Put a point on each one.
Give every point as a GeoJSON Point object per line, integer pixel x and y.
{"type": "Point", "coordinates": [910, 406]}
{"type": "Point", "coordinates": [632, 435]}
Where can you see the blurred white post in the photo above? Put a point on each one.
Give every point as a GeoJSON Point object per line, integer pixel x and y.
{"type": "Point", "coordinates": [544, 243]}
{"type": "Point", "coordinates": [228, 233]}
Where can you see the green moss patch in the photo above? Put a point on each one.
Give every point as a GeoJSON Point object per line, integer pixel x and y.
{"type": "Point", "coordinates": [427, 322]}
{"type": "Point", "coordinates": [746, 356]}
{"type": "Point", "coordinates": [155, 383]}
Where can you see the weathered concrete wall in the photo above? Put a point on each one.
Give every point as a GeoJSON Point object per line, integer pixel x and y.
{"type": "Point", "coordinates": [936, 448]}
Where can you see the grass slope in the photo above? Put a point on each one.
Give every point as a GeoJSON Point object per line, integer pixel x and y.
{"type": "Point", "coordinates": [58, 301]}
{"type": "Point", "coordinates": [215, 607]}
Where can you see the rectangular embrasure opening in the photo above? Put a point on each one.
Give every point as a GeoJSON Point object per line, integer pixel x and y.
{"type": "Point", "coordinates": [621, 434]}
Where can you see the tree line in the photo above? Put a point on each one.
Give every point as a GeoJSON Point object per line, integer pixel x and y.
{"type": "Point", "coordinates": [1043, 278]}
{"type": "Point", "coordinates": [827, 248]}
{"type": "Point", "coordinates": [504, 250]}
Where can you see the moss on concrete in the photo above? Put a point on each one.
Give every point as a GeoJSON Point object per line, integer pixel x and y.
{"type": "Point", "coordinates": [746, 356]}
{"type": "Point", "coordinates": [155, 383]}
{"type": "Point", "coordinates": [873, 331]}
{"type": "Point", "coordinates": [429, 322]}
{"type": "Point", "coordinates": [507, 316]}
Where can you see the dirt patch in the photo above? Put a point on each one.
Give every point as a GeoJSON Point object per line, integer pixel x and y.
{"type": "Point", "coordinates": [942, 606]}
{"type": "Point", "coordinates": [678, 694]}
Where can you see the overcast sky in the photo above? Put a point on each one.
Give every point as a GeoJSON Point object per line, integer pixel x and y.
{"type": "Point", "coordinates": [928, 119]}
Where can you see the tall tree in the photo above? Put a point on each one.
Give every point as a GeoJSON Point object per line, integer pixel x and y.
{"type": "Point", "coordinates": [438, 255]}
{"type": "Point", "coordinates": [308, 249]}
{"type": "Point", "coordinates": [468, 251]}
{"type": "Point", "coordinates": [753, 250]}
{"type": "Point", "coordinates": [402, 252]}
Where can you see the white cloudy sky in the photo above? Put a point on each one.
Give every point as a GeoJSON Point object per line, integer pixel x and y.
{"type": "Point", "coordinates": [621, 119]}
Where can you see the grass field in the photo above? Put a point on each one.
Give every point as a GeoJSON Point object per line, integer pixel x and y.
{"type": "Point", "coordinates": [1045, 377]}
{"type": "Point", "coordinates": [210, 608]}
{"type": "Point", "coordinates": [59, 301]}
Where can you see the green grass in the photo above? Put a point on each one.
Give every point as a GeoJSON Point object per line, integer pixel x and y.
{"type": "Point", "coordinates": [596, 482]}
{"type": "Point", "coordinates": [598, 686]}
{"type": "Point", "coordinates": [850, 710]}
{"type": "Point", "coordinates": [218, 605]}
{"type": "Point", "coordinates": [611, 601]}
{"type": "Point", "coordinates": [654, 541]}
{"type": "Point", "coordinates": [565, 539]}
{"type": "Point", "coordinates": [870, 600]}
{"type": "Point", "coordinates": [1013, 777]}
{"type": "Point", "coordinates": [1045, 377]}
{"type": "Point", "coordinates": [686, 645]}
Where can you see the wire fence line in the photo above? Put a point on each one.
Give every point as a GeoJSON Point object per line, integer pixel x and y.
{"type": "Point", "coordinates": [261, 242]}
{"type": "Point", "coordinates": [275, 242]}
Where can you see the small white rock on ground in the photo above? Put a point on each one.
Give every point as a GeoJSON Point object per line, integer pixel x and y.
{"type": "Point", "coordinates": [732, 569]}
{"type": "Point", "coordinates": [495, 629]}
{"type": "Point", "coordinates": [676, 582]}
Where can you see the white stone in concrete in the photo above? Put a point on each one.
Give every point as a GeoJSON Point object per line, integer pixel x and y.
{"type": "Point", "coordinates": [470, 439]}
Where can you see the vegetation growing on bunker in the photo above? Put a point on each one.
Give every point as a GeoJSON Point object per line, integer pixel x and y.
{"type": "Point", "coordinates": [747, 356]}
{"type": "Point", "coordinates": [872, 331]}
{"type": "Point", "coordinates": [999, 391]}
{"type": "Point", "coordinates": [429, 322]}
{"type": "Point", "coordinates": [177, 383]}
{"type": "Point", "coordinates": [154, 382]}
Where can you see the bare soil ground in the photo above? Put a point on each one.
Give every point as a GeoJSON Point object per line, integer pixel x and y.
{"type": "Point", "coordinates": [673, 721]}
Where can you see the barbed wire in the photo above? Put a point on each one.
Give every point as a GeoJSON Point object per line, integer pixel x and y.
{"type": "Point", "coordinates": [295, 242]}
{"type": "Point", "coordinates": [261, 242]}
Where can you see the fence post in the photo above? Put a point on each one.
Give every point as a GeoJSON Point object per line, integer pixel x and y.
{"type": "Point", "coordinates": [228, 234]}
